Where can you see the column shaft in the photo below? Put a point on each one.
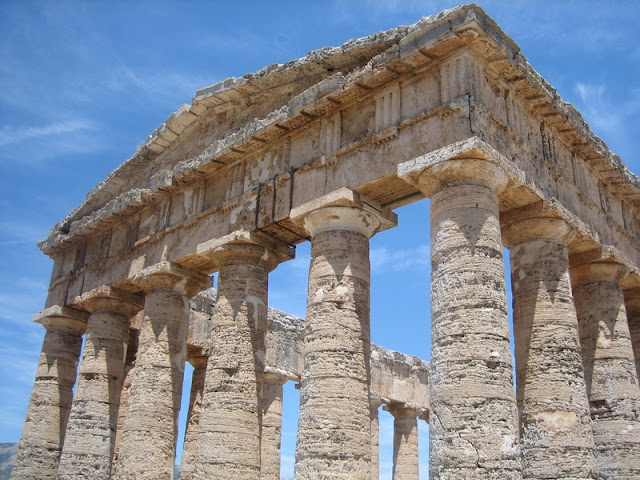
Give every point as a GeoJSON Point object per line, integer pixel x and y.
{"type": "Point", "coordinates": [374, 407]}
{"type": "Point", "coordinates": [193, 418]}
{"type": "Point", "coordinates": [405, 443]}
{"type": "Point", "coordinates": [555, 426]}
{"type": "Point", "coordinates": [88, 448]}
{"type": "Point", "coordinates": [632, 305]}
{"type": "Point", "coordinates": [334, 439]}
{"type": "Point", "coordinates": [231, 417]}
{"type": "Point", "coordinates": [473, 420]}
{"type": "Point", "coordinates": [149, 435]}
{"type": "Point", "coordinates": [46, 422]}
{"type": "Point", "coordinates": [132, 350]}
{"type": "Point", "coordinates": [271, 427]}
{"type": "Point", "coordinates": [610, 371]}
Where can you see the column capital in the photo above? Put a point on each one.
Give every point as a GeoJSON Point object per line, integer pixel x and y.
{"type": "Point", "coordinates": [402, 410]}
{"type": "Point", "coordinates": [343, 209]}
{"type": "Point", "coordinates": [65, 319]}
{"type": "Point", "coordinates": [199, 361]}
{"type": "Point", "coordinates": [470, 161]}
{"type": "Point", "coordinates": [171, 276]}
{"type": "Point", "coordinates": [596, 271]}
{"type": "Point", "coordinates": [526, 229]}
{"type": "Point", "coordinates": [109, 299]}
{"type": "Point", "coordinates": [244, 246]}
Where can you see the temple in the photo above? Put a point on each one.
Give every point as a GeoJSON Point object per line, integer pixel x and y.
{"type": "Point", "coordinates": [322, 150]}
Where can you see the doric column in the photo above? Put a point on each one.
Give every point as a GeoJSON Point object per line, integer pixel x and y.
{"type": "Point", "coordinates": [610, 371]}
{"type": "Point", "coordinates": [632, 305]}
{"type": "Point", "coordinates": [334, 439]}
{"type": "Point", "coordinates": [271, 425]}
{"type": "Point", "coordinates": [474, 418]}
{"type": "Point", "coordinates": [555, 426]}
{"type": "Point", "coordinates": [405, 442]}
{"type": "Point", "coordinates": [231, 415]}
{"type": "Point", "coordinates": [129, 363]}
{"type": "Point", "coordinates": [149, 434]}
{"type": "Point", "coordinates": [199, 364]}
{"type": "Point", "coordinates": [45, 426]}
{"type": "Point", "coordinates": [374, 406]}
{"type": "Point", "coordinates": [89, 442]}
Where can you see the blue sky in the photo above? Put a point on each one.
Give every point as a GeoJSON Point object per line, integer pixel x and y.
{"type": "Point", "coordinates": [83, 83]}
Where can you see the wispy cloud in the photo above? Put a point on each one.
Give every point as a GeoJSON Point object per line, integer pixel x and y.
{"type": "Point", "coordinates": [10, 134]}
{"type": "Point", "coordinates": [609, 117]}
{"type": "Point", "coordinates": [400, 260]}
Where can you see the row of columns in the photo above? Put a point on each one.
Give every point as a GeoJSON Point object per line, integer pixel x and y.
{"type": "Point", "coordinates": [566, 420]}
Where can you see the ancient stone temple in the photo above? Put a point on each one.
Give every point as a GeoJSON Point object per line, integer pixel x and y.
{"type": "Point", "coordinates": [323, 149]}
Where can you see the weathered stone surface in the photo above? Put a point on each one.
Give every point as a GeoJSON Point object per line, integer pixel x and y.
{"type": "Point", "coordinates": [610, 371]}
{"type": "Point", "coordinates": [45, 426]}
{"type": "Point", "coordinates": [473, 418]}
{"type": "Point", "coordinates": [228, 444]}
{"type": "Point", "coordinates": [187, 465]}
{"type": "Point", "coordinates": [90, 438]}
{"type": "Point", "coordinates": [150, 427]}
{"type": "Point", "coordinates": [405, 442]}
{"type": "Point", "coordinates": [555, 425]}
{"type": "Point", "coordinates": [299, 150]}
{"type": "Point", "coordinates": [271, 426]}
{"type": "Point", "coordinates": [334, 439]}
{"type": "Point", "coordinates": [632, 306]}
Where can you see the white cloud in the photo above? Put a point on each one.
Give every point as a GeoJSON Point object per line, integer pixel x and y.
{"type": "Point", "coordinates": [10, 135]}
{"type": "Point", "coordinates": [400, 260]}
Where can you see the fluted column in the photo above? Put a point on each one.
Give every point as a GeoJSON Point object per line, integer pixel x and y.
{"type": "Point", "coordinates": [46, 422]}
{"type": "Point", "coordinates": [187, 466]}
{"type": "Point", "coordinates": [374, 406]}
{"type": "Point", "coordinates": [271, 425]}
{"type": "Point", "coordinates": [555, 426]}
{"type": "Point", "coordinates": [405, 442]}
{"type": "Point", "coordinates": [89, 442]}
{"type": "Point", "coordinates": [147, 451]}
{"type": "Point", "coordinates": [610, 371]}
{"type": "Point", "coordinates": [231, 416]}
{"type": "Point", "coordinates": [334, 439]}
{"type": "Point", "coordinates": [474, 419]}
{"type": "Point", "coordinates": [632, 305]}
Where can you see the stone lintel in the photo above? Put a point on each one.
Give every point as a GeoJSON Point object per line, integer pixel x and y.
{"type": "Point", "coordinates": [403, 409]}
{"type": "Point", "coordinates": [107, 298]}
{"type": "Point", "coordinates": [238, 245]}
{"type": "Point", "coordinates": [168, 275]}
{"type": "Point", "coordinates": [343, 209]}
{"type": "Point", "coordinates": [62, 318]}
{"type": "Point", "coordinates": [460, 162]}
{"type": "Point", "coordinates": [274, 375]}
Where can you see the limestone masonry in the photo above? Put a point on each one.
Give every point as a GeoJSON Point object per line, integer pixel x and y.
{"type": "Point", "coordinates": [322, 149]}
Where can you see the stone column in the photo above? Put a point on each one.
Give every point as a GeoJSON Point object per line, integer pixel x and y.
{"type": "Point", "coordinates": [187, 466]}
{"type": "Point", "coordinates": [474, 418]}
{"type": "Point", "coordinates": [334, 438]}
{"type": "Point", "coordinates": [46, 423]}
{"type": "Point", "coordinates": [129, 363]}
{"type": "Point", "coordinates": [147, 451]}
{"type": "Point", "coordinates": [89, 442]}
{"type": "Point", "coordinates": [405, 442]}
{"type": "Point", "coordinates": [271, 425]}
{"type": "Point", "coordinates": [231, 415]}
{"type": "Point", "coordinates": [555, 426]}
{"type": "Point", "coordinates": [632, 305]}
{"type": "Point", "coordinates": [610, 371]}
{"type": "Point", "coordinates": [374, 406]}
